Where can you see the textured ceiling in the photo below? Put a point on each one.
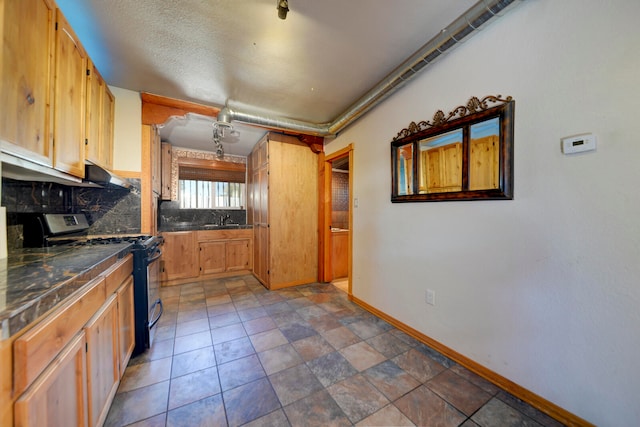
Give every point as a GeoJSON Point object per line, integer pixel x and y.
{"type": "Point", "coordinates": [311, 66]}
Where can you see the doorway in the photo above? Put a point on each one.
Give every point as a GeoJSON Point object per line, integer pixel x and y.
{"type": "Point", "coordinates": [338, 218]}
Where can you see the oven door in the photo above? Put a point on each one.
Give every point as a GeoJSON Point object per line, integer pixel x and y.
{"type": "Point", "coordinates": [153, 290]}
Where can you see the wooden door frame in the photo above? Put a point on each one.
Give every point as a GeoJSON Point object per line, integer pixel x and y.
{"type": "Point", "coordinates": [325, 262]}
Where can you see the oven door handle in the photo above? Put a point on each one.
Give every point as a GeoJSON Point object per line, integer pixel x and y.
{"type": "Point", "coordinates": [155, 257]}
{"type": "Point", "coordinates": [154, 321]}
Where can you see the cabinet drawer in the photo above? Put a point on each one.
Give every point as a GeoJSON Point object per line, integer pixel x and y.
{"type": "Point", "coordinates": [227, 234]}
{"type": "Point", "coordinates": [34, 350]}
{"type": "Point", "coordinates": [118, 273]}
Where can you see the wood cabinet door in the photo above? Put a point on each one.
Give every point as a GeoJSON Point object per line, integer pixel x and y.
{"type": "Point", "coordinates": [179, 257]}
{"type": "Point", "coordinates": [165, 171]}
{"type": "Point", "coordinates": [126, 325]}
{"type": "Point", "coordinates": [103, 373]}
{"type": "Point", "coordinates": [59, 396]}
{"type": "Point", "coordinates": [156, 158]}
{"type": "Point", "coordinates": [26, 86]}
{"type": "Point", "coordinates": [93, 114]}
{"type": "Point", "coordinates": [261, 254]}
{"type": "Point", "coordinates": [69, 101]}
{"type": "Point", "coordinates": [237, 254]}
{"type": "Point", "coordinates": [212, 257]}
{"type": "Point", "coordinates": [106, 134]}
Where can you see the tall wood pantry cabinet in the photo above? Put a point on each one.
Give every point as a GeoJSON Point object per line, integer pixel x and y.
{"type": "Point", "coordinates": [283, 208]}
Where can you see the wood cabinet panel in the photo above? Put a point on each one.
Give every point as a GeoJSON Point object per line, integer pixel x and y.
{"type": "Point", "coordinates": [212, 257]}
{"type": "Point", "coordinates": [150, 180]}
{"type": "Point", "coordinates": [69, 100]}
{"type": "Point", "coordinates": [103, 373]}
{"type": "Point", "coordinates": [108, 123]}
{"type": "Point", "coordinates": [165, 171]}
{"type": "Point", "coordinates": [237, 255]}
{"type": "Point", "coordinates": [35, 350]}
{"type": "Point", "coordinates": [179, 257]}
{"type": "Point", "coordinates": [100, 104]}
{"type": "Point", "coordinates": [26, 87]}
{"type": "Point", "coordinates": [59, 396]}
{"type": "Point", "coordinates": [126, 325]}
{"type": "Point", "coordinates": [443, 169]}
{"type": "Point", "coordinates": [339, 254]}
{"type": "Point", "coordinates": [484, 163]}
{"type": "Point", "coordinates": [93, 115]}
{"type": "Point", "coordinates": [117, 274]}
{"type": "Point", "coordinates": [292, 213]}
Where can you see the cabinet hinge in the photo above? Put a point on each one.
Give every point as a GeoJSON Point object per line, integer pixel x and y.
{"type": "Point", "coordinates": [86, 141]}
{"type": "Point", "coordinates": [56, 26]}
{"type": "Point", "coordinates": [86, 347]}
{"type": "Point", "coordinates": [88, 72]}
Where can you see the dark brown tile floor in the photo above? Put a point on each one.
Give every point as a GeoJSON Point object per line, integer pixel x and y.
{"type": "Point", "coordinates": [228, 353]}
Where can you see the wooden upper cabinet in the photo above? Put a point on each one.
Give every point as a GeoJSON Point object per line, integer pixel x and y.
{"type": "Point", "coordinates": [100, 104]}
{"type": "Point", "coordinates": [26, 83]}
{"type": "Point", "coordinates": [156, 160]}
{"type": "Point", "coordinates": [95, 90]}
{"type": "Point", "coordinates": [69, 100]}
{"type": "Point", "coordinates": [165, 171]}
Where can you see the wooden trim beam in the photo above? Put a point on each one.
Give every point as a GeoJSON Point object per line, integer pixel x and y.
{"type": "Point", "coordinates": [157, 109]}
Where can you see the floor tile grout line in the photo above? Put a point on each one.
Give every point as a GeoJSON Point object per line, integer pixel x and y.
{"type": "Point", "coordinates": [250, 291]}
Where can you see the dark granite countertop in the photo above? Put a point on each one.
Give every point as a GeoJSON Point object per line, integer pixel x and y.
{"type": "Point", "coordinates": [33, 281]}
{"type": "Point", "coordinates": [196, 227]}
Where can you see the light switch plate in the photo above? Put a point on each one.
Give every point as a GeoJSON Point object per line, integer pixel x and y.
{"type": "Point", "coordinates": [579, 143]}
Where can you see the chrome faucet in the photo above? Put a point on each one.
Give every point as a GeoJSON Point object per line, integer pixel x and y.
{"type": "Point", "coordinates": [224, 218]}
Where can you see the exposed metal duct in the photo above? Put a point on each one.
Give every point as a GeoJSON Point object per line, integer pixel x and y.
{"type": "Point", "coordinates": [458, 31]}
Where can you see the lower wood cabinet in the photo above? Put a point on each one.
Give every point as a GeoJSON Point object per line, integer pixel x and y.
{"type": "Point", "coordinates": [237, 254]}
{"type": "Point", "coordinates": [206, 253]}
{"type": "Point", "coordinates": [179, 256]}
{"type": "Point", "coordinates": [68, 366]}
{"type": "Point", "coordinates": [126, 325]}
{"type": "Point", "coordinates": [59, 396]}
{"type": "Point", "coordinates": [103, 373]}
{"type": "Point", "coordinates": [212, 257]}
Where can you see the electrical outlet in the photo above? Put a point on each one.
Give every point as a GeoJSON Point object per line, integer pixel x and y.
{"type": "Point", "coordinates": [430, 297]}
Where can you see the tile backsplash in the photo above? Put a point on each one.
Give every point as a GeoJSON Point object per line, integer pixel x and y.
{"type": "Point", "coordinates": [170, 214]}
{"type": "Point", "coordinates": [109, 210]}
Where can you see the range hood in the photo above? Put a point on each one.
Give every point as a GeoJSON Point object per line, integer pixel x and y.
{"type": "Point", "coordinates": [97, 175]}
{"type": "Point", "coordinates": [22, 169]}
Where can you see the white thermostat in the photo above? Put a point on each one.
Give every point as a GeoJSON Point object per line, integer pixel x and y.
{"type": "Point", "coordinates": [579, 143]}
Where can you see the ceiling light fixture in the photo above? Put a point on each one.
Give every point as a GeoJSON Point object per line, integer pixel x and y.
{"type": "Point", "coordinates": [219, 130]}
{"type": "Point", "coordinates": [283, 8]}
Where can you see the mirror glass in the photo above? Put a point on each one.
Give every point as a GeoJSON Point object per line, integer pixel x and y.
{"type": "Point", "coordinates": [484, 155]}
{"type": "Point", "coordinates": [465, 155]}
{"type": "Point", "coordinates": [440, 163]}
{"type": "Point", "coordinates": [404, 168]}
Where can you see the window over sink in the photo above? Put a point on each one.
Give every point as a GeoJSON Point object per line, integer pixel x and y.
{"type": "Point", "coordinates": [211, 184]}
{"type": "Point", "coordinates": [195, 194]}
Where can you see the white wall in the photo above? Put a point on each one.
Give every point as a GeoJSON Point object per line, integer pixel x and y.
{"type": "Point", "coordinates": [127, 137]}
{"type": "Point", "coordinates": [543, 289]}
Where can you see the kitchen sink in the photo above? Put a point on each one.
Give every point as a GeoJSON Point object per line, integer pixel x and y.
{"type": "Point", "coordinates": [214, 226]}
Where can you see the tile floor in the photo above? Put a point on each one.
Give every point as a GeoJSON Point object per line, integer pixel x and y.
{"type": "Point", "coordinates": [228, 353]}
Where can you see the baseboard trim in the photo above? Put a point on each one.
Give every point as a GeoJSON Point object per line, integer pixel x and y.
{"type": "Point", "coordinates": [518, 391]}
